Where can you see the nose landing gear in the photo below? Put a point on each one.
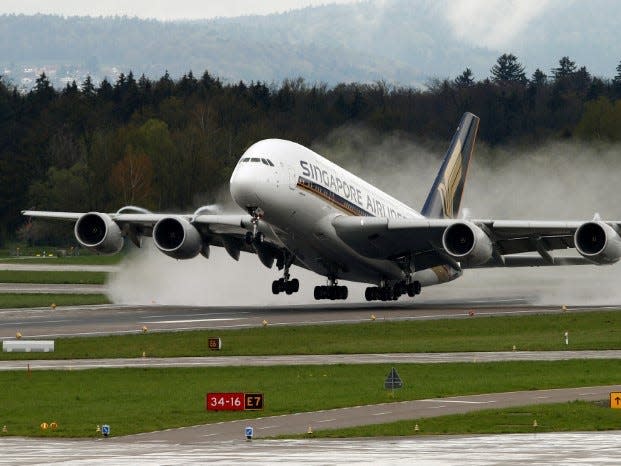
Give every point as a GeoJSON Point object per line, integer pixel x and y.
{"type": "Point", "coordinates": [255, 236]}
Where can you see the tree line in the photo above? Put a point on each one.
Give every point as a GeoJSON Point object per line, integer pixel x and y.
{"type": "Point", "coordinates": [171, 144]}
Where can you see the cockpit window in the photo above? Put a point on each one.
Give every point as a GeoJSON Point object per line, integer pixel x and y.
{"type": "Point", "coordinates": [257, 160]}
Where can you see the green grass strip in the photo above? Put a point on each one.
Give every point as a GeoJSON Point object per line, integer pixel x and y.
{"type": "Point", "coordinates": [10, 300]}
{"type": "Point", "coordinates": [558, 417]}
{"type": "Point", "coordinates": [587, 330]}
{"type": "Point", "coordinates": [139, 400]}
{"type": "Point", "coordinates": [70, 277]}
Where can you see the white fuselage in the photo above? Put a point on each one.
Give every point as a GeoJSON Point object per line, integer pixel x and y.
{"type": "Point", "coordinates": [300, 192]}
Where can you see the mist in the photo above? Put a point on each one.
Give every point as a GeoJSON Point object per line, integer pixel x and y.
{"type": "Point", "coordinates": [557, 181]}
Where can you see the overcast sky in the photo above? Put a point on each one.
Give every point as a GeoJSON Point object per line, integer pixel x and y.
{"type": "Point", "coordinates": [160, 9]}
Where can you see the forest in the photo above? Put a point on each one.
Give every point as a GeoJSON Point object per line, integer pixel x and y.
{"type": "Point", "coordinates": [169, 144]}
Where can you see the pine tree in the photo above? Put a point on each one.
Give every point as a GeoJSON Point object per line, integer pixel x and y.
{"type": "Point", "coordinates": [566, 67]}
{"type": "Point", "coordinates": [508, 69]}
{"type": "Point", "coordinates": [617, 78]}
{"type": "Point", "coordinates": [465, 79]}
{"type": "Point", "coordinates": [88, 89]}
{"type": "Point", "coordinates": [539, 78]}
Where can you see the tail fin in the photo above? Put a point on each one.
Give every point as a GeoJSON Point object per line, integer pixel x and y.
{"type": "Point", "coordinates": [444, 199]}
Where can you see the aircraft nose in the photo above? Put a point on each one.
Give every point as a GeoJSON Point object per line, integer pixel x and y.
{"type": "Point", "coordinates": [242, 186]}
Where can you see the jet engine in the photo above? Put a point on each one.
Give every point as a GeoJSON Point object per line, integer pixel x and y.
{"type": "Point", "coordinates": [598, 242]}
{"type": "Point", "coordinates": [98, 232]}
{"type": "Point", "coordinates": [177, 238]}
{"type": "Point", "coordinates": [467, 243]}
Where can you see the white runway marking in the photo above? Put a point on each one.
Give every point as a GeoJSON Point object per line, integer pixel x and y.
{"type": "Point", "coordinates": [188, 321]}
{"type": "Point", "coordinates": [461, 401]}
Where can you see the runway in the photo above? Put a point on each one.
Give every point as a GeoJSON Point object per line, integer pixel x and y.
{"type": "Point", "coordinates": [577, 448]}
{"type": "Point", "coordinates": [93, 320]}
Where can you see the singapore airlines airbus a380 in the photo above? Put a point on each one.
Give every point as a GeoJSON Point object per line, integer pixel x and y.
{"type": "Point", "coordinates": [305, 210]}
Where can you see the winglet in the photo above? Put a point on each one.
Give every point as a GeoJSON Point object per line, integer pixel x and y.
{"type": "Point", "coordinates": [444, 199]}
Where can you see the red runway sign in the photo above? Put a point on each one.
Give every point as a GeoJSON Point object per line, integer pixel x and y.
{"type": "Point", "coordinates": [233, 401]}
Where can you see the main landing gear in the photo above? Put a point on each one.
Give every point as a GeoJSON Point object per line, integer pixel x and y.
{"type": "Point", "coordinates": [286, 284]}
{"type": "Point", "coordinates": [332, 291]}
{"type": "Point", "coordinates": [386, 292]}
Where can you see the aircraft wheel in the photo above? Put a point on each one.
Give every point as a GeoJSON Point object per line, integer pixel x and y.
{"type": "Point", "coordinates": [368, 294]}
{"type": "Point", "coordinates": [295, 285]}
{"type": "Point", "coordinates": [317, 293]}
{"type": "Point", "coordinates": [275, 287]}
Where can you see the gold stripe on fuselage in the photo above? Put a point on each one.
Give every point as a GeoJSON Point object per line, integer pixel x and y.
{"type": "Point", "coordinates": [327, 198]}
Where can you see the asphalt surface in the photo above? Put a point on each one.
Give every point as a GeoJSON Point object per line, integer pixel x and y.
{"type": "Point", "coordinates": [92, 320]}
{"type": "Point", "coordinates": [576, 448]}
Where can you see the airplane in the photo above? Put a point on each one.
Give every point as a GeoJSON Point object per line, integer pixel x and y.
{"type": "Point", "coordinates": [303, 209]}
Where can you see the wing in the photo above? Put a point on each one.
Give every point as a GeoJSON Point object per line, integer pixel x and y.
{"type": "Point", "coordinates": [480, 243]}
{"type": "Point", "coordinates": [227, 231]}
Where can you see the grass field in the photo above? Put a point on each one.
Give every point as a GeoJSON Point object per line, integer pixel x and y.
{"type": "Point", "coordinates": [137, 400]}
{"type": "Point", "coordinates": [70, 277]}
{"type": "Point", "coordinates": [11, 300]}
{"type": "Point", "coordinates": [588, 330]}
{"type": "Point", "coordinates": [559, 417]}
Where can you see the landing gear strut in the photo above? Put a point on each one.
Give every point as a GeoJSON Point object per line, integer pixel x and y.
{"type": "Point", "coordinates": [386, 292]}
{"type": "Point", "coordinates": [255, 236]}
{"type": "Point", "coordinates": [332, 291]}
{"type": "Point", "coordinates": [286, 284]}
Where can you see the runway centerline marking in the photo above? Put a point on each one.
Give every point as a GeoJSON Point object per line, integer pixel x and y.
{"type": "Point", "coordinates": [327, 420]}
{"type": "Point", "coordinates": [381, 414]}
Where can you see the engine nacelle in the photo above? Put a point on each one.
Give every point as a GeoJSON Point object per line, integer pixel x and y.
{"type": "Point", "coordinates": [598, 242]}
{"type": "Point", "coordinates": [467, 243]}
{"type": "Point", "coordinates": [177, 238]}
{"type": "Point", "coordinates": [98, 232]}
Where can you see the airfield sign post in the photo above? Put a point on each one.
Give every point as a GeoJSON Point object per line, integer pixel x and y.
{"type": "Point", "coordinates": [615, 400]}
{"type": "Point", "coordinates": [393, 380]}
